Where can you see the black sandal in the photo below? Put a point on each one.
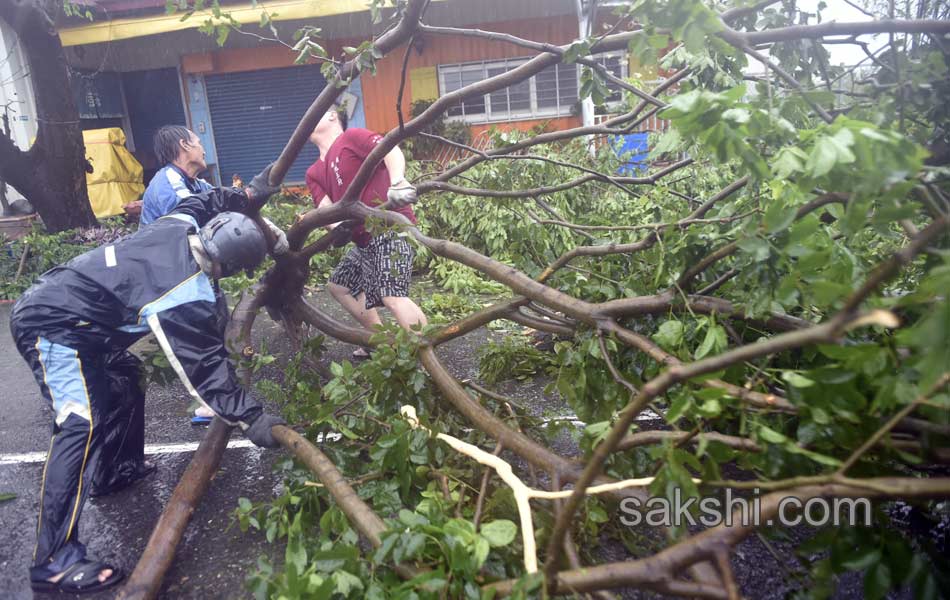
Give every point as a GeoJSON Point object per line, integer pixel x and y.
{"type": "Point", "coordinates": [82, 577]}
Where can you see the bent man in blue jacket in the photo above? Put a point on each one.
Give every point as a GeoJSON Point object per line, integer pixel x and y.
{"type": "Point", "coordinates": [180, 151]}
{"type": "Point", "coordinates": [74, 325]}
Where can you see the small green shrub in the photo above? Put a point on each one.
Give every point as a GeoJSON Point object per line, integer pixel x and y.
{"type": "Point", "coordinates": [421, 147]}
{"type": "Point", "coordinates": [47, 250]}
{"type": "Point", "coordinates": [512, 358]}
{"type": "Point", "coordinates": [445, 308]}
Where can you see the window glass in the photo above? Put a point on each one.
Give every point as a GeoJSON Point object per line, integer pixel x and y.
{"type": "Point", "coordinates": [546, 87]}
{"type": "Point", "coordinates": [551, 92]}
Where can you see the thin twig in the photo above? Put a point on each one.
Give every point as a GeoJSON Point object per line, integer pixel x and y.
{"type": "Point", "coordinates": [483, 489]}
{"type": "Point", "coordinates": [610, 365]}
{"type": "Point", "coordinates": [23, 257]}
{"type": "Point", "coordinates": [402, 81]}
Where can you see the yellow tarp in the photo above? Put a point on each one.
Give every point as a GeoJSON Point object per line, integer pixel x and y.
{"type": "Point", "coordinates": [280, 10]}
{"type": "Point", "coordinates": [116, 177]}
{"type": "Point", "coordinates": [424, 83]}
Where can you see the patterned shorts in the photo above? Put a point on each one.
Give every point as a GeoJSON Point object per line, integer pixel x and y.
{"type": "Point", "coordinates": [380, 270]}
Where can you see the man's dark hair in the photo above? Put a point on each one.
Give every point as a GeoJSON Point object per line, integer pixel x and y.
{"type": "Point", "coordinates": [165, 142]}
{"type": "Point", "coordinates": [341, 113]}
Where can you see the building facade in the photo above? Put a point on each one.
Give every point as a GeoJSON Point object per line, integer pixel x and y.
{"type": "Point", "coordinates": [137, 67]}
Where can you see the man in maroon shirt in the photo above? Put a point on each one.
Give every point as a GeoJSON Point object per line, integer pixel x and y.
{"type": "Point", "coordinates": [377, 271]}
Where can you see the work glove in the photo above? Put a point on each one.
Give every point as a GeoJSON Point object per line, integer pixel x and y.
{"type": "Point", "coordinates": [259, 431]}
{"type": "Point", "coordinates": [402, 193]}
{"type": "Point", "coordinates": [281, 246]}
{"type": "Point", "coordinates": [260, 186]}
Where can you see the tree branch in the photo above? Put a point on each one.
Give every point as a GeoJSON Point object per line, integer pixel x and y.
{"type": "Point", "coordinates": [830, 28]}
{"type": "Point", "coordinates": [827, 332]}
{"type": "Point", "coordinates": [666, 565]}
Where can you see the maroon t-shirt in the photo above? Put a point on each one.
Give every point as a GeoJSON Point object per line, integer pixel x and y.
{"type": "Point", "coordinates": [332, 174]}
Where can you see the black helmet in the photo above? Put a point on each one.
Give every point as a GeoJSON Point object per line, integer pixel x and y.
{"type": "Point", "coordinates": [234, 241]}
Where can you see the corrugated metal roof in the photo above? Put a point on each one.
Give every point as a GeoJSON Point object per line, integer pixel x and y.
{"type": "Point", "coordinates": [154, 52]}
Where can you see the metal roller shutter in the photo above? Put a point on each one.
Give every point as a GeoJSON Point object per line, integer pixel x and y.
{"type": "Point", "coordinates": [254, 113]}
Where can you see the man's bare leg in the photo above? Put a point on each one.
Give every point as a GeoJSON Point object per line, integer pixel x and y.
{"type": "Point", "coordinates": [355, 306]}
{"type": "Point", "coordinates": [406, 312]}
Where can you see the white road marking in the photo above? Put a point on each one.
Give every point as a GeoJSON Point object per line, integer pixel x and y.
{"type": "Point", "coordinates": [38, 457]}
{"type": "Point", "coordinates": [645, 415]}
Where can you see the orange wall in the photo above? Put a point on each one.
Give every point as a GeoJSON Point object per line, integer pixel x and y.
{"type": "Point", "coordinates": [550, 124]}
{"type": "Point", "coordinates": [251, 59]}
{"type": "Point", "coordinates": [380, 91]}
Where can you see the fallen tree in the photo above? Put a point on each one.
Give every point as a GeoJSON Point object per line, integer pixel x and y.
{"type": "Point", "coordinates": [778, 298]}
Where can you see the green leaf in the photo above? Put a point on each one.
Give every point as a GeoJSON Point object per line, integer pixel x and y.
{"type": "Point", "coordinates": [482, 548]}
{"type": "Point", "coordinates": [927, 588]}
{"type": "Point", "coordinates": [755, 247]}
{"type": "Point", "coordinates": [389, 542]}
{"type": "Point", "coordinates": [499, 533]}
{"type": "Point", "coordinates": [855, 216]}
{"type": "Point", "coordinates": [596, 512]}
{"type": "Point", "coordinates": [710, 408]}
{"type": "Point", "coordinates": [715, 341]}
{"type": "Point", "coordinates": [877, 581]}
{"type": "Point", "coordinates": [769, 435]}
{"type": "Point", "coordinates": [862, 559]}
{"type": "Point", "coordinates": [669, 335]}
{"type": "Point", "coordinates": [685, 103]}
{"type": "Point", "coordinates": [346, 582]}
{"type": "Point", "coordinates": [223, 32]}
{"type": "Point", "coordinates": [271, 533]}
{"type": "Point", "coordinates": [736, 115]}
{"type": "Point", "coordinates": [778, 216]}
{"type": "Point", "coordinates": [826, 292]}
{"type": "Point", "coordinates": [796, 380]}
{"type": "Point", "coordinates": [830, 151]}
{"type": "Point", "coordinates": [412, 519]}
{"type": "Point", "coordinates": [678, 407]}
{"type": "Point", "coordinates": [815, 456]}
{"type": "Point", "coordinates": [667, 142]}
{"type": "Point", "coordinates": [334, 558]}
{"type": "Point", "coordinates": [410, 546]}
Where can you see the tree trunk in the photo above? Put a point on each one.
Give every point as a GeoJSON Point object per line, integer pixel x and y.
{"type": "Point", "coordinates": [52, 174]}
